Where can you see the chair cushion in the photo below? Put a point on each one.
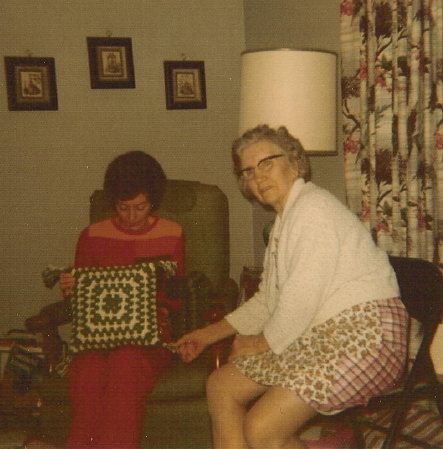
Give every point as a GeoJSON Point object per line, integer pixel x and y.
{"type": "Point", "coordinates": [54, 390]}
{"type": "Point", "coordinates": [202, 211]}
{"type": "Point", "coordinates": [114, 306]}
{"type": "Point", "coordinates": [182, 381]}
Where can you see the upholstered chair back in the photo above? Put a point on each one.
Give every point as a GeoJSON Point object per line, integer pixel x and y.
{"type": "Point", "coordinates": [202, 211]}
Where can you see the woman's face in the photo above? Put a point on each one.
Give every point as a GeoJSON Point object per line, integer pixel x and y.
{"type": "Point", "coordinates": [134, 214]}
{"type": "Point", "coordinates": [268, 178]}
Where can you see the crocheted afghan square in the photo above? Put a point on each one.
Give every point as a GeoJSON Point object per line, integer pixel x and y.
{"type": "Point", "coordinates": [115, 306]}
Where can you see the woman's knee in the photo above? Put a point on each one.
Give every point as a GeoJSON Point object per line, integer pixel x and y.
{"type": "Point", "coordinates": [131, 370]}
{"type": "Point", "coordinates": [221, 386]}
{"type": "Point", "coordinates": [214, 385]}
{"type": "Point", "coordinates": [128, 361]}
{"type": "Point", "coordinates": [256, 434]}
{"type": "Point", "coordinates": [87, 367]}
{"type": "Point", "coordinates": [259, 436]}
{"type": "Point", "coordinates": [274, 420]}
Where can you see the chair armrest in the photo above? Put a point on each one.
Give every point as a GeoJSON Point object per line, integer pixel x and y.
{"type": "Point", "coordinates": [46, 324]}
{"type": "Point", "coordinates": [51, 342]}
{"type": "Point", "coordinates": [164, 313]}
{"type": "Point", "coordinates": [220, 350]}
{"type": "Point", "coordinates": [53, 315]}
{"type": "Point", "coordinates": [228, 294]}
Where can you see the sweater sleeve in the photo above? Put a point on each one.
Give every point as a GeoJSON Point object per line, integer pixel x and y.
{"type": "Point", "coordinates": [250, 317]}
{"type": "Point", "coordinates": [178, 255]}
{"type": "Point", "coordinates": [84, 255]}
{"type": "Point", "coordinates": [310, 254]}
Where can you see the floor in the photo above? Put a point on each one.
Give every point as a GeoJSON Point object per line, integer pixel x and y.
{"type": "Point", "coordinates": [327, 433]}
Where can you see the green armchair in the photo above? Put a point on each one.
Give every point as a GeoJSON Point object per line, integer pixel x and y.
{"type": "Point", "coordinates": [177, 415]}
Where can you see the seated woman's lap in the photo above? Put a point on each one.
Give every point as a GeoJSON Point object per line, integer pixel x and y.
{"type": "Point", "coordinates": [227, 382]}
{"type": "Point", "coordinates": [95, 370]}
{"type": "Point", "coordinates": [275, 417]}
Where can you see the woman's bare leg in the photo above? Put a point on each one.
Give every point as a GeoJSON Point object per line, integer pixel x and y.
{"type": "Point", "coordinates": [229, 392]}
{"type": "Point", "coordinates": [274, 419]}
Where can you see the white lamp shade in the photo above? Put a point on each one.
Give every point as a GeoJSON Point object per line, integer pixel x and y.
{"type": "Point", "coordinates": [292, 88]}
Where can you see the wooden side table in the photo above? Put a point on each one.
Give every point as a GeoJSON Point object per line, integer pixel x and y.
{"type": "Point", "coordinates": [249, 281]}
{"type": "Point", "coordinates": [20, 400]}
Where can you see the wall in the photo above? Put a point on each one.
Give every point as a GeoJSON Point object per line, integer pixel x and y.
{"type": "Point", "coordinates": [51, 161]}
{"type": "Point", "coordinates": [313, 24]}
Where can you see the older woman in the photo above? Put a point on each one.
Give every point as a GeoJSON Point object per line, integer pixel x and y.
{"type": "Point", "coordinates": [108, 388]}
{"type": "Point", "coordinates": [326, 330]}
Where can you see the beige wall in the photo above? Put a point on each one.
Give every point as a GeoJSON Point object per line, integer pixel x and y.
{"type": "Point", "coordinates": [51, 161]}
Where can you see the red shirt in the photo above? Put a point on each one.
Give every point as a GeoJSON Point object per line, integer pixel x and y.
{"type": "Point", "coordinates": [106, 244]}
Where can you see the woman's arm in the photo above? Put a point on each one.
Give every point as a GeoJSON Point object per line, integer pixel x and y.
{"type": "Point", "coordinates": [308, 258]}
{"type": "Point", "coordinates": [191, 345]}
{"type": "Point", "coordinates": [248, 345]}
{"type": "Point", "coordinates": [179, 255]}
{"type": "Point", "coordinates": [250, 317]}
{"type": "Point", "coordinates": [83, 258]}
{"type": "Point", "coordinates": [66, 283]}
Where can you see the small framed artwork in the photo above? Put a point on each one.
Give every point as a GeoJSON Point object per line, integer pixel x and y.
{"type": "Point", "coordinates": [185, 84]}
{"type": "Point", "coordinates": [111, 65]}
{"type": "Point", "coordinates": [31, 84]}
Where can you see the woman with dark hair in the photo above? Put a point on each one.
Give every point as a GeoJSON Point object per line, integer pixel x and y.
{"type": "Point", "coordinates": [108, 388]}
{"type": "Point", "coordinates": [326, 330]}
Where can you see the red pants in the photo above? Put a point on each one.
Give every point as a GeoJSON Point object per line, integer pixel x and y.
{"type": "Point", "coordinates": [108, 394]}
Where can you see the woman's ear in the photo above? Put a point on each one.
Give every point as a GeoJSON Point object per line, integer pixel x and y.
{"type": "Point", "coordinates": [295, 170]}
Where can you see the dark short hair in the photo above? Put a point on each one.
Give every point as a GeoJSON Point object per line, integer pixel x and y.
{"type": "Point", "coordinates": [281, 137]}
{"type": "Point", "coordinates": [133, 173]}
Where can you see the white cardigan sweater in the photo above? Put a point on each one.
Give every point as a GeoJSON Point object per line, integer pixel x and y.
{"type": "Point", "coordinates": [319, 261]}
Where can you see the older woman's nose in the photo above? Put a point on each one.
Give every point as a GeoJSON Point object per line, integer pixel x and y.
{"type": "Point", "coordinates": [259, 174]}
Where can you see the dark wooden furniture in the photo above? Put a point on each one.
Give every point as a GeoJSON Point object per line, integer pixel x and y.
{"type": "Point", "coordinates": [421, 289]}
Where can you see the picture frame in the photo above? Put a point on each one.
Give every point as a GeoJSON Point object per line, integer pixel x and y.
{"type": "Point", "coordinates": [31, 83]}
{"type": "Point", "coordinates": [185, 84]}
{"type": "Point", "coordinates": [111, 64]}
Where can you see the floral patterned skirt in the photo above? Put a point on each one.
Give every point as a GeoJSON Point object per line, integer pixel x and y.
{"type": "Point", "coordinates": [342, 362]}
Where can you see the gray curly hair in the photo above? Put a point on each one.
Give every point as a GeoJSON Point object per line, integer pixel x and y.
{"type": "Point", "coordinates": [281, 137]}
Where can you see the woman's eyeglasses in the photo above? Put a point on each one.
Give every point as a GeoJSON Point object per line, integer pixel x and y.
{"type": "Point", "coordinates": [263, 166]}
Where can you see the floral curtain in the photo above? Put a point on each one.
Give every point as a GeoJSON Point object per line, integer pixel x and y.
{"type": "Point", "coordinates": [392, 100]}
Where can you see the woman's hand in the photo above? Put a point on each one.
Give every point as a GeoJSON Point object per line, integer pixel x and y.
{"type": "Point", "coordinates": [66, 282]}
{"type": "Point", "coordinates": [248, 345]}
{"type": "Point", "coordinates": [191, 345]}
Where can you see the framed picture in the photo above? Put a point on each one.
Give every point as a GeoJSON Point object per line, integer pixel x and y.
{"type": "Point", "coordinates": [31, 84]}
{"type": "Point", "coordinates": [110, 63]}
{"type": "Point", "coordinates": [185, 84]}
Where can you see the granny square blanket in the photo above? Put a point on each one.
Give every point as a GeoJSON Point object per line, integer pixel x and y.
{"type": "Point", "coordinates": [115, 306]}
